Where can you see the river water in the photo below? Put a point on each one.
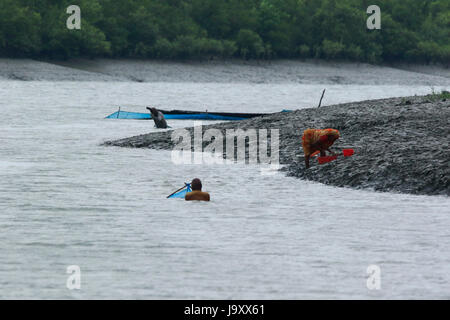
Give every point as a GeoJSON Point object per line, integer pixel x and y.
{"type": "Point", "coordinates": [65, 200]}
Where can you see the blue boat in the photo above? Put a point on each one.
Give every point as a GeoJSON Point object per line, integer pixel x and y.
{"type": "Point", "coordinates": [185, 115]}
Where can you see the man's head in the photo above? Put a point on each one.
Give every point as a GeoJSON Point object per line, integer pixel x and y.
{"type": "Point", "coordinates": [332, 138]}
{"type": "Point", "coordinates": [152, 110]}
{"type": "Point", "coordinates": [196, 185]}
{"type": "Point", "coordinates": [333, 135]}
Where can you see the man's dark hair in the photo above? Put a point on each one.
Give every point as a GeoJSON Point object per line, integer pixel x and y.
{"type": "Point", "coordinates": [153, 110]}
{"type": "Point", "coordinates": [196, 184]}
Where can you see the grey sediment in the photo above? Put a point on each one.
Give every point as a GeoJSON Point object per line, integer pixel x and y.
{"type": "Point", "coordinates": [226, 71]}
{"type": "Point", "coordinates": [401, 144]}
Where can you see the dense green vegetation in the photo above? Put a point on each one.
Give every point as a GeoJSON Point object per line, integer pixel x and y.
{"type": "Point", "coordinates": [412, 30]}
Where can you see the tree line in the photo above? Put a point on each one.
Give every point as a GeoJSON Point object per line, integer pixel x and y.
{"type": "Point", "coordinates": [411, 30]}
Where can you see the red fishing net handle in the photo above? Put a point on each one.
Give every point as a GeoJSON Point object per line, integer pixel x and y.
{"type": "Point", "coordinates": [345, 153]}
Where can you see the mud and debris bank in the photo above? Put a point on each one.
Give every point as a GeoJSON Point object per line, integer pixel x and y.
{"type": "Point", "coordinates": [401, 144]}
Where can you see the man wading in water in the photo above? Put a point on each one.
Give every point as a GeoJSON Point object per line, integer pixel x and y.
{"type": "Point", "coordinates": [197, 193]}
{"type": "Point", "coordinates": [314, 140]}
{"type": "Point", "coordinates": [158, 118]}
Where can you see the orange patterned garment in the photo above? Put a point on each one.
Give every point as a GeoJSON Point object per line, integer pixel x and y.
{"type": "Point", "coordinates": [313, 136]}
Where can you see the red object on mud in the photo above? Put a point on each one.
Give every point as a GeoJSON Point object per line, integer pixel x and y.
{"type": "Point", "coordinates": [326, 159]}
{"type": "Point", "coordinates": [348, 152]}
{"type": "Point", "coordinates": [345, 153]}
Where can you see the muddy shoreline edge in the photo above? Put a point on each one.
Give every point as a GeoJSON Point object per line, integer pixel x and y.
{"type": "Point", "coordinates": [401, 144]}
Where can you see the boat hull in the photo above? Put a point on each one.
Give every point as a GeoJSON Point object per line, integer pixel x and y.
{"type": "Point", "coordinates": [184, 115]}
